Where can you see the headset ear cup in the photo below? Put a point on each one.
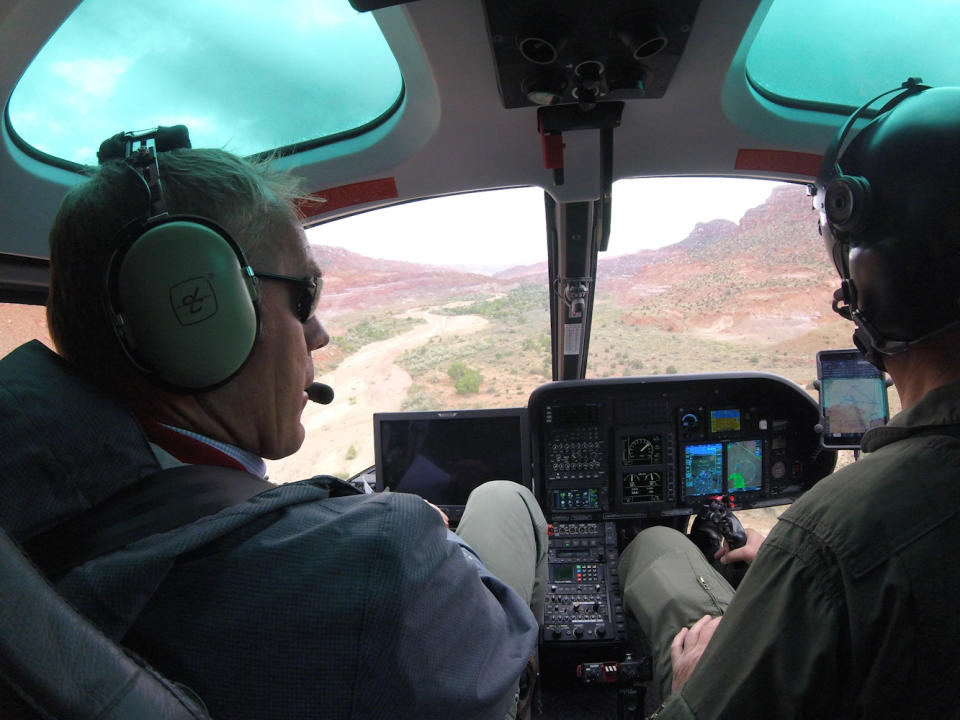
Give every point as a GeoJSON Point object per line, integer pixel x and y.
{"type": "Point", "coordinates": [847, 203]}
{"type": "Point", "coordinates": [187, 303]}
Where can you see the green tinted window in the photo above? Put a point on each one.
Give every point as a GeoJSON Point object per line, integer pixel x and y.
{"type": "Point", "coordinates": [244, 75]}
{"type": "Point", "coordinates": [825, 52]}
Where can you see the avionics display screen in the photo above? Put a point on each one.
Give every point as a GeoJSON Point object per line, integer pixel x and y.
{"type": "Point", "coordinates": [727, 420]}
{"type": "Point", "coordinates": [703, 469]}
{"type": "Point", "coordinates": [575, 499]}
{"type": "Point", "coordinates": [744, 466]}
{"type": "Point", "coordinates": [443, 456]}
{"type": "Point", "coordinates": [562, 573]}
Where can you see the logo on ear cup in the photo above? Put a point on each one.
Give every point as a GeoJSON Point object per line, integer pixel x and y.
{"type": "Point", "coordinates": [193, 300]}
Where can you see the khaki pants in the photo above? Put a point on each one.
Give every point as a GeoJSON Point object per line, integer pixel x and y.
{"type": "Point", "coordinates": [504, 524]}
{"type": "Point", "coordinates": [668, 585]}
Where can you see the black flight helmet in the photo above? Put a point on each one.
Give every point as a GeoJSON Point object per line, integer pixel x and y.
{"type": "Point", "coordinates": [890, 217]}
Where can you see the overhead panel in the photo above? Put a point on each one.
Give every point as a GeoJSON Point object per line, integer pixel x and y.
{"type": "Point", "coordinates": [549, 52]}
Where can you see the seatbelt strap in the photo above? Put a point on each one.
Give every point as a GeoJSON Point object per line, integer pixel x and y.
{"type": "Point", "coordinates": [160, 502]}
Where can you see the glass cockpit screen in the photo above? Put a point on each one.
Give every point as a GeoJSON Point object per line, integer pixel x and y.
{"type": "Point", "coordinates": [731, 467]}
{"type": "Point", "coordinates": [744, 466]}
{"type": "Point", "coordinates": [703, 469]}
{"type": "Point", "coordinates": [726, 420]}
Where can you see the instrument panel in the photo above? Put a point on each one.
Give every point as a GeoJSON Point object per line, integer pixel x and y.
{"type": "Point", "coordinates": [649, 447]}
{"type": "Point", "coordinates": [613, 453]}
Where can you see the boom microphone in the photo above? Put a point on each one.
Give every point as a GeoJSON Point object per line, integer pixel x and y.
{"type": "Point", "coordinates": [320, 393]}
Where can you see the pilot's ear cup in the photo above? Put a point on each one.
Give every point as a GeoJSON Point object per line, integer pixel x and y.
{"type": "Point", "coordinates": [189, 311]}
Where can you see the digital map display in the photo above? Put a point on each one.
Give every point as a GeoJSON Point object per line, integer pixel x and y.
{"type": "Point", "coordinates": [853, 405]}
{"type": "Point", "coordinates": [744, 466]}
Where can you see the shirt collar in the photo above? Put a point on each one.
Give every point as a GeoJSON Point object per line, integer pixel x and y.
{"type": "Point", "coordinates": [196, 449]}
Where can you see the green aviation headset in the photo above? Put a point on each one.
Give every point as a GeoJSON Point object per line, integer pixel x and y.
{"type": "Point", "coordinates": [180, 295]}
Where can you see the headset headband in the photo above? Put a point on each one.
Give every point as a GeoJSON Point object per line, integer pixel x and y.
{"type": "Point", "coordinates": [830, 167]}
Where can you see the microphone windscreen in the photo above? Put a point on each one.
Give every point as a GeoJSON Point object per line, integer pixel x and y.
{"type": "Point", "coordinates": [320, 393]}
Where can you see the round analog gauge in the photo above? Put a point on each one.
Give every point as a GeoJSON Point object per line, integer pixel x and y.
{"type": "Point", "coordinates": [642, 450]}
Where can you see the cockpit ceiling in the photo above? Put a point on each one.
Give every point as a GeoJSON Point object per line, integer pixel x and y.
{"type": "Point", "coordinates": [574, 52]}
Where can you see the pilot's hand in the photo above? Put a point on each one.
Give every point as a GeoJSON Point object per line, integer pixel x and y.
{"type": "Point", "coordinates": [446, 520]}
{"type": "Point", "coordinates": [746, 553]}
{"type": "Point", "coordinates": [688, 646]}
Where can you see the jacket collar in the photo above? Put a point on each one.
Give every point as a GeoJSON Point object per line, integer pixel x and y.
{"type": "Point", "coordinates": [938, 408]}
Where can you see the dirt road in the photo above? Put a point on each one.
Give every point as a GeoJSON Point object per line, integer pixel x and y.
{"type": "Point", "coordinates": [366, 382]}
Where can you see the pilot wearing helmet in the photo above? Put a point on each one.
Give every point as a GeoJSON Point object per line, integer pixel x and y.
{"type": "Point", "coordinates": [849, 607]}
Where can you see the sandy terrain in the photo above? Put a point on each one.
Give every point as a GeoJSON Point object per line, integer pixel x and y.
{"type": "Point", "coordinates": [366, 382]}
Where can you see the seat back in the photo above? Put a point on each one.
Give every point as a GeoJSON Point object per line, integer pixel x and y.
{"type": "Point", "coordinates": [56, 664]}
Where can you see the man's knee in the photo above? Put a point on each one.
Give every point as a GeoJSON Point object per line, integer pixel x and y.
{"type": "Point", "coordinates": [650, 544]}
{"type": "Point", "coordinates": [506, 499]}
{"type": "Point", "coordinates": [504, 524]}
{"type": "Point", "coordinates": [496, 492]}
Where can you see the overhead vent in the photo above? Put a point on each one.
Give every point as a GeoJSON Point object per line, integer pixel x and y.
{"type": "Point", "coordinates": [550, 52]}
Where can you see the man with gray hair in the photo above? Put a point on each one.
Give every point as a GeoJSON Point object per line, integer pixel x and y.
{"type": "Point", "coordinates": [182, 305]}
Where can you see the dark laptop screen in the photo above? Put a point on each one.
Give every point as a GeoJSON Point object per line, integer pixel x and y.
{"type": "Point", "coordinates": [443, 455]}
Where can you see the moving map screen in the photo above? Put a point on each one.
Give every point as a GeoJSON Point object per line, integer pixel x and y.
{"type": "Point", "coordinates": [853, 405]}
{"type": "Point", "coordinates": [853, 397]}
{"type": "Point", "coordinates": [744, 466]}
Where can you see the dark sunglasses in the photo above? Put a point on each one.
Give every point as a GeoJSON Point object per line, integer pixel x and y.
{"type": "Point", "coordinates": [308, 292]}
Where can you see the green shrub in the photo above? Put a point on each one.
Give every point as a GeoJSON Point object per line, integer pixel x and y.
{"type": "Point", "coordinates": [468, 382]}
{"type": "Point", "coordinates": [457, 370]}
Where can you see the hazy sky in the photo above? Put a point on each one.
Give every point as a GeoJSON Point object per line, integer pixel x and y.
{"type": "Point", "coordinates": [495, 230]}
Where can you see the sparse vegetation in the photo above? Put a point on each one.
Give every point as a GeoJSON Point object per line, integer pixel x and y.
{"type": "Point", "coordinates": [418, 399]}
{"type": "Point", "coordinates": [518, 301]}
{"type": "Point", "coordinates": [373, 329]}
{"type": "Point", "coordinates": [466, 380]}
